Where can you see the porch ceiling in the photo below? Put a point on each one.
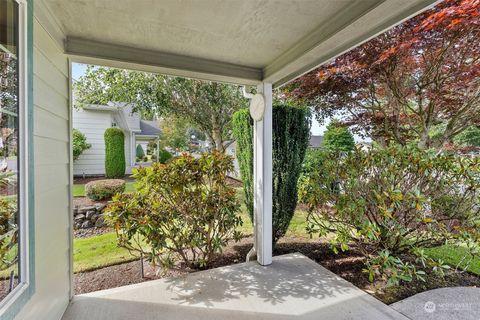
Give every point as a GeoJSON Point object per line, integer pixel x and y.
{"type": "Point", "coordinates": [237, 40]}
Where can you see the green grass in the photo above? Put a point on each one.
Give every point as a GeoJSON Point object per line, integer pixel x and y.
{"type": "Point", "coordinates": [456, 255]}
{"type": "Point", "coordinates": [97, 252]}
{"type": "Point", "coordinates": [79, 189]}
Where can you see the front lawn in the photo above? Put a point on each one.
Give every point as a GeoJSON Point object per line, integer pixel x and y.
{"type": "Point", "coordinates": [456, 256]}
{"type": "Point", "coordinates": [98, 252]}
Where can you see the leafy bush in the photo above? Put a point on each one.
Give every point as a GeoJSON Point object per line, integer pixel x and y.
{"type": "Point", "coordinates": [291, 132]}
{"type": "Point", "coordinates": [139, 153]}
{"type": "Point", "coordinates": [182, 210]}
{"type": "Point", "coordinates": [164, 156]}
{"type": "Point", "coordinates": [8, 233]}
{"type": "Point", "coordinates": [391, 203]}
{"type": "Point", "coordinates": [337, 138]}
{"type": "Point", "coordinates": [114, 153]}
{"type": "Point", "coordinates": [104, 189]}
{"type": "Point", "coordinates": [79, 143]}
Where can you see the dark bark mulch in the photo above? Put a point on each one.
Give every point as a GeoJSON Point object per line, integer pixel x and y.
{"type": "Point", "coordinates": [347, 265]}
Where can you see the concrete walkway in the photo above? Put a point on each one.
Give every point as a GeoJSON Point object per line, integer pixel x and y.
{"type": "Point", "coordinates": [293, 287]}
{"type": "Point", "coordinates": [458, 303]}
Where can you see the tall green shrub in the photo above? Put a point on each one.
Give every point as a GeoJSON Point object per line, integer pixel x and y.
{"type": "Point", "coordinates": [114, 153]}
{"type": "Point", "coordinates": [243, 132]}
{"type": "Point", "coordinates": [291, 132]}
{"type": "Point", "coordinates": [139, 151]}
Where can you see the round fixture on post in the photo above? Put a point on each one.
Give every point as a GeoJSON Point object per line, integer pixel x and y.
{"type": "Point", "coordinates": [257, 107]}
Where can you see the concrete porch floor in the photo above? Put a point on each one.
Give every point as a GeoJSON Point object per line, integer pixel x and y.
{"type": "Point", "coordinates": [293, 287]}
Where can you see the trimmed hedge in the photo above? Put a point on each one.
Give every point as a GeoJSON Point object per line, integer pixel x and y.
{"type": "Point", "coordinates": [291, 133]}
{"type": "Point", "coordinates": [114, 153]}
{"type": "Point", "coordinates": [104, 189]}
{"type": "Point", "coordinates": [242, 125]}
{"type": "Point", "coordinates": [139, 152]}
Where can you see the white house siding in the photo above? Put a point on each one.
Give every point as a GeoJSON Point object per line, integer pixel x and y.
{"type": "Point", "coordinates": [51, 153]}
{"type": "Point", "coordinates": [93, 125]}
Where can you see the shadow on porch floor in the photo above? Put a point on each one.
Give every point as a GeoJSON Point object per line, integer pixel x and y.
{"type": "Point", "coordinates": [293, 287]}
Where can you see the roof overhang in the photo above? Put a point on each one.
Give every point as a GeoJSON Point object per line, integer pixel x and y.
{"type": "Point", "coordinates": [239, 41]}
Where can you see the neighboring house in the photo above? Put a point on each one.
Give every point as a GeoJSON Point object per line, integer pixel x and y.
{"type": "Point", "coordinates": [315, 141]}
{"type": "Point", "coordinates": [93, 120]}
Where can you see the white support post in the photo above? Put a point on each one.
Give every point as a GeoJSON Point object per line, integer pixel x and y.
{"type": "Point", "coordinates": [262, 175]}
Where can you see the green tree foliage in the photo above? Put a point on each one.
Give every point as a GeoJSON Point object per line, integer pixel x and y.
{"type": "Point", "coordinates": [79, 143]}
{"type": "Point", "coordinates": [291, 132]}
{"type": "Point", "coordinates": [207, 105]}
{"type": "Point", "coordinates": [337, 138]}
{"type": "Point", "coordinates": [183, 211]}
{"type": "Point", "coordinates": [242, 125]}
{"type": "Point", "coordinates": [139, 153]}
{"type": "Point", "coordinates": [114, 153]}
{"type": "Point", "coordinates": [164, 156]}
{"type": "Point", "coordinates": [392, 203]}
{"type": "Point", "coordinates": [468, 138]}
{"type": "Point", "coordinates": [174, 133]}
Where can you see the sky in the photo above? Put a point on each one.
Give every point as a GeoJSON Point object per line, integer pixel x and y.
{"type": "Point", "coordinates": [79, 69]}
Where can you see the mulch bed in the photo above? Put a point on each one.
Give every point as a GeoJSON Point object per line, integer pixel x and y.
{"type": "Point", "coordinates": [347, 265]}
{"type": "Point", "coordinates": [80, 180]}
{"type": "Point", "coordinates": [86, 233]}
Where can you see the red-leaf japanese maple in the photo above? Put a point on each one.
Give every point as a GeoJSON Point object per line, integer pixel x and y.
{"type": "Point", "coordinates": [399, 85]}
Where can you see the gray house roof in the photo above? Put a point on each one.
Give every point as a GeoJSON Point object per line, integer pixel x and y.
{"type": "Point", "coordinates": [149, 128]}
{"type": "Point", "coordinates": [315, 141]}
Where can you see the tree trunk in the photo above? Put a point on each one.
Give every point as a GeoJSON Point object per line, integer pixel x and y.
{"type": "Point", "coordinates": [217, 139]}
{"type": "Point", "coordinates": [217, 135]}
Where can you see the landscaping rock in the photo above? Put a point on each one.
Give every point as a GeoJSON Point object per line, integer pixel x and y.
{"type": "Point", "coordinates": [100, 222]}
{"type": "Point", "coordinates": [100, 206]}
{"type": "Point", "coordinates": [87, 224]}
{"type": "Point", "coordinates": [89, 217]}
{"type": "Point", "coordinates": [90, 214]}
{"type": "Point", "coordinates": [85, 209]}
{"type": "Point", "coordinates": [80, 216]}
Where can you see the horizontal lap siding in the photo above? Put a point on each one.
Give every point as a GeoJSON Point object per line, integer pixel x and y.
{"type": "Point", "coordinates": [92, 124]}
{"type": "Point", "coordinates": [52, 198]}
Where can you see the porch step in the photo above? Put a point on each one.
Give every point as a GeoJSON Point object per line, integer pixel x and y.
{"type": "Point", "coordinates": [293, 287]}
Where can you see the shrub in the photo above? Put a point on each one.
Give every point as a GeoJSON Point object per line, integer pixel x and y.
{"type": "Point", "coordinates": [391, 203]}
{"type": "Point", "coordinates": [139, 152]}
{"type": "Point", "coordinates": [79, 143]}
{"type": "Point", "coordinates": [154, 157]}
{"type": "Point", "coordinates": [8, 233]}
{"type": "Point", "coordinates": [164, 156]}
{"type": "Point", "coordinates": [242, 125]}
{"type": "Point", "coordinates": [183, 210]}
{"type": "Point", "coordinates": [104, 189]}
{"type": "Point", "coordinates": [291, 132]}
{"type": "Point", "coordinates": [114, 153]}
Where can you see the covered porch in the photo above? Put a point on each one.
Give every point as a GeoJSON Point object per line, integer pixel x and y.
{"type": "Point", "coordinates": [292, 287]}
{"type": "Point", "coordinates": [257, 43]}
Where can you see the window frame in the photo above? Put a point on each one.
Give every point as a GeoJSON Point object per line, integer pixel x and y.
{"type": "Point", "coordinates": [9, 306]}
